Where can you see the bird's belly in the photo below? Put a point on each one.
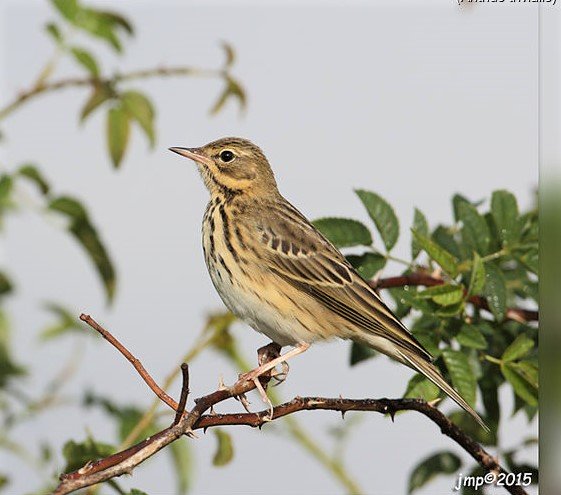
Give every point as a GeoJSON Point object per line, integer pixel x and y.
{"type": "Point", "coordinates": [262, 306]}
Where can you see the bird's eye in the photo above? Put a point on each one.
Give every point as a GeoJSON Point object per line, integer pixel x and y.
{"type": "Point", "coordinates": [227, 156]}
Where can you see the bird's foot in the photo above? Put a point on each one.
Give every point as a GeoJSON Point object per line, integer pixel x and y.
{"type": "Point", "coordinates": [269, 365]}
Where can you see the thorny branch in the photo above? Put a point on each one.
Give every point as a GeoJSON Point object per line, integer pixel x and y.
{"type": "Point", "coordinates": [186, 422]}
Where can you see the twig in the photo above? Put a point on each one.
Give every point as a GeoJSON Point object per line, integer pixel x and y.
{"type": "Point", "coordinates": [164, 397]}
{"type": "Point", "coordinates": [69, 82]}
{"type": "Point", "coordinates": [420, 278]}
{"type": "Point", "coordinates": [184, 393]}
{"type": "Point", "coordinates": [125, 461]}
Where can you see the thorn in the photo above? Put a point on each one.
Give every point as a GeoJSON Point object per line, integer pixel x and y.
{"type": "Point", "coordinates": [205, 429]}
{"type": "Point", "coordinates": [434, 402]}
{"type": "Point", "coordinates": [191, 434]}
{"type": "Point", "coordinates": [221, 385]}
{"type": "Point", "coordinates": [343, 414]}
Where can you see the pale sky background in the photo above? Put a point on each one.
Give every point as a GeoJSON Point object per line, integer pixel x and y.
{"type": "Point", "coordinates": [413, 100]}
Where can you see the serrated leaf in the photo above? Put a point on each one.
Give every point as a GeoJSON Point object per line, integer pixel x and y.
{"type": "Point", "coordinates": [32, 173]}
{"type": "Point", "coordinates": [522, 388]}
{"type": "Point", "coordinates": [77, 454]}
{"type": "Point", "coordinates": [141, 110]}
{"type": "Point", "coordinates": [477, 278]}
{"type": "Point", "coordinates": [367, 264]}
{"type": "Point", "coordinates": [360, 352]}
{"type": "Point", "coordinates": [118, 130]}
{"type": "Point", "coordinates": [504, 209]}
{"type": "Point", "coordinates": [421, 226]}
{"type": "Point", "coordinates": [445, 259]}
{"type": "Point", "coordinates": [475, 231]}
{"type": "Point", "coordinates": [224, 450]}
{"type": "Point", "coordinates": [432, 466]}
{"type": "Point", "coordinates": [232, 89]}
{"type": "Point", "coordinates": [519, 348]}
{"type": "Point", "coordinates": [471, 336]}
{"type": "Point", "coordinates": [457, 200]}
{"type": "Point", "coordinates": [445, 294]}
{"type": "Point", "coordinates": [344, 232]}
{"type": "Point", "coordinates": [445, 239]}
{"type": "Point", "coordinates": [420, 387]}
{"type": "Point", "coordinates": [183, 465]}
{"type": "Point", "coordinates": [85, 233]}
{"type": "Point", "coordinates": [383, 216]}
{"type": "Point", "coordinates": [461, 374]}
{"type": "Point", "coordinates": [100, 94]}
{"type": "Point", "coordinates": [495, 291]}
{"type": "Point", "coordinates": [86, 60]}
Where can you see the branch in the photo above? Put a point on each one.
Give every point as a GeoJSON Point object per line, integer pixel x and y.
{"type": "Point", "coordinates": [70, 82]}
{"type": "Point", "coordinates": [419, 278]}
{"type": "Point", "coordinates": [184, 423]}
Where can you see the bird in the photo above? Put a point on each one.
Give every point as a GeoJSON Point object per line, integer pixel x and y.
{"type": "Point", "coordinates": [275, 271]}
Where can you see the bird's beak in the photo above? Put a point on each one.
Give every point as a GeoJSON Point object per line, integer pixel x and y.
{"type": "Point", "coordinates": [192, 153]}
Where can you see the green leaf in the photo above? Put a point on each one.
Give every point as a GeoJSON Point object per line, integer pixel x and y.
{"type": "Point", "coordinates": [471, 336]}
{"type": "Point", "coordinates": [461, 374]}
{"type": "Point", "coordinates": [446, 260]}
{"type": "Point", "coordinates": [367, 264]}
{"type": "Point", "coordinates": [530, 259]}
{"type": "Point", "coordinates": [489, 387]}
{"type": "Point", "coordinates": [466, 423]}
{"type": "Point", "coordinates": [6, 285]}
{"type": "Point", "coordinates": [141, 110]}
{"type": "Point", "coordinates": [504, 209]}
{"type": "Point", "coordinates": [118, 130]}
{"type": "Point", "coordinates": [100, 94]}
{"type": "Point", "coordinates": [420, 387]}
{"type": "Point", "coordinates": [520, 385]}
{"type": "Point", "coordinates": [432, 466]}
{"type": "Point", "coordinates": [183, 464]}
{"type": "Point", "coordinates": [230, 54]}
{"type": "Point", "coordinates": [421, 226]}
{"type": "Point", "coordinates": [66, 323]}
{"type": "Point", "coordinates": [383, 216]}
{"type": "Point", "coordinates": [101, 24]}
{"type": "Point", "coordinates": [527, 370]}
{"type": "Point", "coordinates": [77, 454]}
{"type": "Point", "coordinates": [54, 31]}
{"type": "Point", "coordinates": [32, 173]}
{"type": "Point", "coordinates": [344, 232]}
{"type": "Point", "coordinates": [475, 231]}
{"type": "Point", "coordinates": [477, 279]}
{"type": "Point", "coordinates": [6, 187]}
{"type": "Point", "coordinates": [444, 237]}
{"type": "Point", "coordinates": [360, 352]}
{"type": "Point", "coordinates": [225, 449]}
{"type": "Point", "coordinates": [457, 200]}
{"type": "Point", "coordinates": [495, 291]}
{"type": "Point", "coordinates": [231, 90]}
{"type": "Point", "coordinates": [519, 348]}
{"type": "Point", "coordinates": [8, 367]}
{"type": "Point", "coordinates": [445, 294]}
{"type": "Point", "coordinates": [86, 60]}
{"type": "Point", "coordinates": [85, 233]}
{"type": "Point", "coordinates": [136, 491]}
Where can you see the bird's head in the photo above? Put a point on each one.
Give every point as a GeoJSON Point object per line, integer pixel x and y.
{"type": "Point", "coordinates": [232, 165]}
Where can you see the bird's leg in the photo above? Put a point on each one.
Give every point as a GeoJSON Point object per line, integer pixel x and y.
{"type": "Point", "coordinates": [262, 369]}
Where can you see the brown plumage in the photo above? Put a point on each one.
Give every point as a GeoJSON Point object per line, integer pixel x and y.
{"type": "Point", "coordinates": [277, 272]}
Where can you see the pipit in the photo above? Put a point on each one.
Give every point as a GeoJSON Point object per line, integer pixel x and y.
{"type": "Point", "coordinates": [275, 271]}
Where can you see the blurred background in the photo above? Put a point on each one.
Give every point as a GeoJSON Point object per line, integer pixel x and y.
{"type": "Point", "coordinates": [413, 100]}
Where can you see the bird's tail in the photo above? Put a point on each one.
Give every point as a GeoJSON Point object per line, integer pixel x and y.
{"type": "Point", "coordinates": [426, 368]}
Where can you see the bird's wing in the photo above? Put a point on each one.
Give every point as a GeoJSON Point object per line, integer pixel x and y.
{"type": "Point", "coordinates": [297, 252]}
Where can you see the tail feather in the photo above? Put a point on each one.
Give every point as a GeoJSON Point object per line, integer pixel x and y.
{"type": "Point", "coordinates": [426, 368]}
